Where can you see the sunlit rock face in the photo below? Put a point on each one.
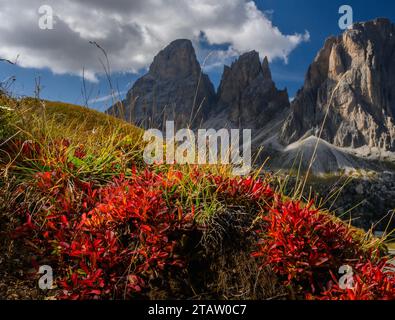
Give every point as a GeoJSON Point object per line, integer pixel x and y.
{"type": "Point", "coordinates": [354, 76]}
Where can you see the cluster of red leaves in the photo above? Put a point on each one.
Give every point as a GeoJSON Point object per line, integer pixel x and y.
{"type": "Point", "coordinates": [370, 282]}
{"type": "Point", "coordinates": [110, 241]}
{"type": "Point", "coordinates": [247, 189]}
{"type": "Point", "coordinates": [306, 248]}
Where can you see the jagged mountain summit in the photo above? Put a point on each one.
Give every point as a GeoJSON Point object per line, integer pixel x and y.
{"type": "Point", "coordinates": [247, 96]}
{"type": "Point", "coordinates": [173, 89]}
{"type": "Point", "coordinates": [354, 76]}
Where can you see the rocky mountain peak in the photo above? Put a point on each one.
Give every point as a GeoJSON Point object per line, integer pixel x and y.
{"type": "Point", "coordinates": [247, 92]}
{"type": "Point", "coordinates": [176, 89]}
{"type": "Point", "coordinates": [267, 74]}
{"type": "Point", "coordinates": [245, 70]}
{"type": "Point", "coordinates": [248, 66]}
{"type": "Point", "coordinates": [177, 60]}
{"type": "Point", "coordinates": [356, 70]}
{"type": "Point", "coordinates": [173, 89]}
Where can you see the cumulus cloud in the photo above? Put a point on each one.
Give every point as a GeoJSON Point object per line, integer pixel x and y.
{"type": "Point", "coordinates": [132, 32]}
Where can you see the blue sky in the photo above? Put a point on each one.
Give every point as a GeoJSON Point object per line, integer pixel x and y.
{"type": "Point", "coordinates": [319, 18]}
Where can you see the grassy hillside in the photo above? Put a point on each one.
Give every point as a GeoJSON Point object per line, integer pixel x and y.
{"type": "Point", "coordinates": [55, 117]}
{"type": "Point", "coordinates": [76, 195]}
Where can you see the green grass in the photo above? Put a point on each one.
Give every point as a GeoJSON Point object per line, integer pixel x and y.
{"type": "Point", "coordinates": [108, 141]}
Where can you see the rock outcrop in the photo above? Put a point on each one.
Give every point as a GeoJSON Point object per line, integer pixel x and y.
{"type": "Point", "coordinates": [173, 89]}
{"type": "Point", "coordinates": [354, 76]}
{"type": "Point", "coordinates": [247, 93]}
{"type": "Point", "coordinates": [375, 196]}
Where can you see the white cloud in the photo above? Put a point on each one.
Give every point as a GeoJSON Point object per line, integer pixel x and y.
{"type": "Point", "coordinates": [132, 32]}
{"type": "Point", "coordinates": [107, 97]}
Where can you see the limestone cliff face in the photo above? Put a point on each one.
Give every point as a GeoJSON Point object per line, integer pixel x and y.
{"type": "Point", "coordinates": [173, 89]}
{"type": "Point", "coordinates": [247, 93]}
{"type": "Point", "coordinates": [358, 70]}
